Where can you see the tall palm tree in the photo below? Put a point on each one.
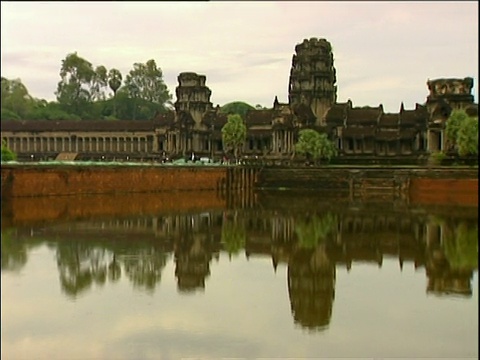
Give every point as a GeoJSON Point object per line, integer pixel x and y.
{"type": "Point", "coordinates": [114, 81]}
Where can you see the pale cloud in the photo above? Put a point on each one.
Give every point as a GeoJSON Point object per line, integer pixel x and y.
{"type": "Point", "coordinates": [245, 48]}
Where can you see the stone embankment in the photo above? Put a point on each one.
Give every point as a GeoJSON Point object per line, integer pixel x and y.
{"type": "Point", "coordinates": [425, 185]}
{"type": "Point", "coordinates": [54, 180]}
{"type": "Point", "coordinates": [404, 183]}
{"type": "Point", "coordinates": [36, 193]}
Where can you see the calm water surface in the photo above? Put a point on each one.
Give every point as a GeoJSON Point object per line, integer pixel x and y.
{"type": "Point", "coordinates": [270, 275]}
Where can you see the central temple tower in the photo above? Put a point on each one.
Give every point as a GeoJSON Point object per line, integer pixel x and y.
{"type": "Point", "coordinates": [312, 77]}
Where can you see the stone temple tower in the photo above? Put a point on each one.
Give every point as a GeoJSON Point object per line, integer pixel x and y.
{"type": "Point", "coordinates": [312, 77]}
{"type": "Point", "coordinates": [193, 96]}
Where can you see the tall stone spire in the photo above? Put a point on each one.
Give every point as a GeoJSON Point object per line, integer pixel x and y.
{"type": "Point", "coordinates": [312, 77]}
{"type": "Point", "coordinates": [193, 96]}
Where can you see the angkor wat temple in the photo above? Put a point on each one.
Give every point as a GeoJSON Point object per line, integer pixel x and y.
{"type": "Point", "coordinates": [361, 133]}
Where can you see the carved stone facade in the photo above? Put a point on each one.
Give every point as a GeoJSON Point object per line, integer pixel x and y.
{"type": "Point", "coordinates": [194, 128]}
{"type": "Point", "coordinates": [188, 132]}
{"type": "Point", "coordinates": [445, 96]}
{"type": "Point", "coordinates": [371, 131]}
{"type": "Point", "coordinates": [312, 78]}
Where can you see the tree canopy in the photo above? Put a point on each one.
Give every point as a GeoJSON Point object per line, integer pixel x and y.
{"type": "Point", "coordinates": [462, 132]}
{"type": "Point", "coordinates": [236, 107]}
{"type": "Point", "coordinates": [91, 92]}
{"type": "Point", "coordinates": [73, 90]}
{"type": "Point", "coordinates": [234, 134]}
{"type": "Point", "coordinates": [145, 82]}
{"type": "Point", "coordinates": [315, 145]}
{"type": "Point", "coordinates": [16, 101]}
{"type": "Point", "coordinates": [7, 154]}
{"type": "Point", "coordinates": [114, 82]}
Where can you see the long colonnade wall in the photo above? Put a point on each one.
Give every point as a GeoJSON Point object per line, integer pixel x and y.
{"type": "Point", "coordinates": [51, 142]}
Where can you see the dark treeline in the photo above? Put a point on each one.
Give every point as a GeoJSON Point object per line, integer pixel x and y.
{"type": "Point", "coordinates": [88, 92]}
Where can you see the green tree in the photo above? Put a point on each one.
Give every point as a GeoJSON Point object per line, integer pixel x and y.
{"type": "Point", "coordinates": [99, 83]}
{"type": "Point", "coordinates": [314, 145]}
{"type": "Point", "coordinates": [145, 82]}
{"type": "Point", "coordinates": [43, 110]}
{"type": "Point", "coordinates": [467, 137]}
{"type": "Point", "coordinates": [128, 108]}
{"type": "Point", "coordinates": [236, 107]}
{"type": "Point", "coordinates": [7, 154]}
{"type": "Point", "coordinates": [9, 115]}
{"type": "Point", "coordinates": [462, 132]}
{"type": "Point", "coordinates": [234, 134]}
{"type": "Point", "coordinates": [73, 91]}
{"type": "Point", "coordinates": [452, 126]}
{"type": "Point", "coordinates": [114, 81]}
{"type": "Point", "coordinates": [15, 99]}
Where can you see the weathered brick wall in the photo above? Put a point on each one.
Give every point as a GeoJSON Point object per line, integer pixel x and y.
{"type": "Point", "coordinates": [68, 180]}
{"type": "Point", "coordinates": [32, 181]}
{"type": "Point", "coordinates": [444, 191]}
{"type": "Point", "coordinates": [102, 191]}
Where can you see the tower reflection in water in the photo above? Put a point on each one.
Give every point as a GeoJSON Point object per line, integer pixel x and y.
{"type": "Point", "coordinates": [310, 235]}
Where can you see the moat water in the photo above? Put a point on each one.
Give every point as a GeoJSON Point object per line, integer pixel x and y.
{"type": "Point", "coordinates": [209, 276]}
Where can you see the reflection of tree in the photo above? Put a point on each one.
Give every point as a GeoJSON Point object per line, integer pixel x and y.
{"type": "Point", "coordinates": [311, 287]}
{"type": "Point", "coordinates": [114, 270]}
{"type": "Point", "coordinates": [311, 273]}
{"type": "Point", "coordinates": [144, 266]}
{"type": "Point", "coordinates": [452, 256]}
{"type": "Point", "coordinates": [14, 252]}
{"type": "Point", "coordinates": [461, 246]}
{"type": "Point", "coordinates": [312, 230]}
{"type": "Point", "coordinates": [233, 233]}
{"type": "Point", "coordinates": [80, 265]}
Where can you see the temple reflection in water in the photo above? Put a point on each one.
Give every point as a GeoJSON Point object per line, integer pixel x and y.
{"type": "Point", "coordinates": [310, 237]}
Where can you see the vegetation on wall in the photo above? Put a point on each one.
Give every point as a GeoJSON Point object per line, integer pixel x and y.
{"type": "Point", "coordinates": [7, 154]}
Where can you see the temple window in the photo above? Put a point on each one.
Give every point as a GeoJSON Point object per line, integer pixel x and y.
{"type": "Point", "coordinates": [350, 144]}
{"type": "Point", "coordinates": [358, 145]}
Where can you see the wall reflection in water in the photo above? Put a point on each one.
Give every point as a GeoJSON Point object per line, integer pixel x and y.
{"type": "Point", "coordinates": [134, 237]}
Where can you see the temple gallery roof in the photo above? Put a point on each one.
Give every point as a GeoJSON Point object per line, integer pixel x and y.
{"type": "Point", "coordinates": [364, 116]}
{"type": "Point", "coordinates": [259, 117]}
{"type": "Point", "coordinates": [81, 125]}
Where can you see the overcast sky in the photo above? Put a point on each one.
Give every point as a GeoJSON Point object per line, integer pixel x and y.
{"type": "Point", "coordinates": [384, 52]}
